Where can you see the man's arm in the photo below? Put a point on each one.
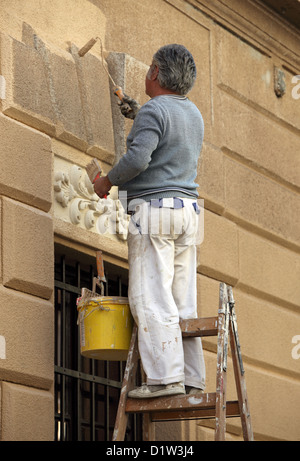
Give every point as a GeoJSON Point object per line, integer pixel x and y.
{"type": "Point", "coordinates": [148, 130]}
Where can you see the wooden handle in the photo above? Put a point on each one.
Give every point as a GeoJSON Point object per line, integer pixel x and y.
{"type": "Point", "coordinates": [119, 92]}
{"type": "Point", "coordinates": [100, 265]}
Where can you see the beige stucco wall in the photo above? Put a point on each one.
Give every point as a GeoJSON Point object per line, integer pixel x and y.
{"type": "Point", "coordinates": [57, 111]}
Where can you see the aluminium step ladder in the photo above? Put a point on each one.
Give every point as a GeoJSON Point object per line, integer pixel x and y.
{"type": "Point", "coordinates": [202, 406]}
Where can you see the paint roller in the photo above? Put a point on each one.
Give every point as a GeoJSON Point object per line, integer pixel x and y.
{"type": "Point", "coordinates": [117, 89]}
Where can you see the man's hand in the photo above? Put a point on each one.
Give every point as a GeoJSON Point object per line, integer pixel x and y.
{"type": "Point", "coordinates": [129, 107]}
{"type": "Point", "coordinates": [102, 186]}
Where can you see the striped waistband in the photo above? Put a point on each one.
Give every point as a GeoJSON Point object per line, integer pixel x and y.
{"type": "Point", "coordinates": [174, 203]}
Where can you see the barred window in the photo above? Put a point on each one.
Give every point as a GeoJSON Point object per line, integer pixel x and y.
{"type": "Point", "coordinates": [86, 391]}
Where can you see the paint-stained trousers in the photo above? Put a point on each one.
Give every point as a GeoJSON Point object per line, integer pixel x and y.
{"type": "Point", "coordinates": [163, 290]}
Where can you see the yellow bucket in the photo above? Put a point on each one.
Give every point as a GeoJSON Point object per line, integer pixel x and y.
{"type": "Point", "coordinates": [105, 327]}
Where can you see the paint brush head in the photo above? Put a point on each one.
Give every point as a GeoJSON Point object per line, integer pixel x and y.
{"type": "Point", "coordinates": [93, 169]}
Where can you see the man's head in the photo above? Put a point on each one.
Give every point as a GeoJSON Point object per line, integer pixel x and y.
{"type": "Point", "coordinates": [173, 69]}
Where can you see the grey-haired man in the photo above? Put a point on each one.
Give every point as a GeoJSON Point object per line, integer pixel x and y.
{"type": "Point", "coordinates": [158, 175]}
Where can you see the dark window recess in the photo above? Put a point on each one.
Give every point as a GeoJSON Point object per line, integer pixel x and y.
{"type": "Point", "coordinates": [86, 391]}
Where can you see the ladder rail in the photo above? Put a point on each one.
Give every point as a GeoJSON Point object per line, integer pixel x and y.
{"type": "Point", "coordinates": [221, 378]}
{"type": "Point", "coordinates": [241, 390]}
{"type": "Point", "coordinates": [127, 385]}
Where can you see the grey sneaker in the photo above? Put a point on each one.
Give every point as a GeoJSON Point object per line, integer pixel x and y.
{"type": "Point", "coordinates": [193, 390]}
{"type": "Point", "coordinates": [148, 391]}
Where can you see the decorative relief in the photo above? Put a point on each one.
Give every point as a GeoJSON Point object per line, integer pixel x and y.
{"type": "Point", "coordinates": [74, 191]}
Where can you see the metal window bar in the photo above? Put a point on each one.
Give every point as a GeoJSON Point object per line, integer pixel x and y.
{"type": "Point", "coordinates": [86, 391]}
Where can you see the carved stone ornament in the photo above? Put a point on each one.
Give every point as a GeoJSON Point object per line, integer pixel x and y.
{"type": "Point", "coordinates": [73, 190]}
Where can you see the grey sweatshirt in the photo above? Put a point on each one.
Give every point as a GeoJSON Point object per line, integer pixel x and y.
{"type": "Point", "coordinates": [163, 148]}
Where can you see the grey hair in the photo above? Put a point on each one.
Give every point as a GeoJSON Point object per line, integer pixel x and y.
{"type": "Point", "coordinates": [177, 68]}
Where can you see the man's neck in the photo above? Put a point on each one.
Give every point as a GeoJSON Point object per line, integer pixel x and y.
{"type": "Point", "coordinates": [162, 91]}
{"type": "Point", "coordinates": [157, 90]}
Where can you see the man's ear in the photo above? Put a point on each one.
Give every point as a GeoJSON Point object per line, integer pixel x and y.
{"type": "Point", "coordinates": [153, 72]}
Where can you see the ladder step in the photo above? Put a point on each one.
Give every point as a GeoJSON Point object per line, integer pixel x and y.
{"type": "Point", "coordinates": [181, 407]}
{"type": "Point", "coordinates": [199, 327]}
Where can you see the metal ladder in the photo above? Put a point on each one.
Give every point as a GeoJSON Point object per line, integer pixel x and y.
{"type": "Point", "coordinates": [203, 406]}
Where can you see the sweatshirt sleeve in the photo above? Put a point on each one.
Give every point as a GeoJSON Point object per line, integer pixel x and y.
{"type": "Point", "coordinates": [147, 131]}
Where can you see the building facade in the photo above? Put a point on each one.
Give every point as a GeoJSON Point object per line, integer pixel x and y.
{"type": "Point", "coordinates": [57, 113]}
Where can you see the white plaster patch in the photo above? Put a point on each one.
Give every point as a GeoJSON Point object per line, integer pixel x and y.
{"type": "Point", "coordinates": [267, 77]}
{"type": "Point", "coordinates": [2, 87]}
{"type": "Point", "coordinates": [2, 348]}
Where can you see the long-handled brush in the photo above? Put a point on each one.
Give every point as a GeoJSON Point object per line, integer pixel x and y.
{"type": "Point", "coordinates": [93, 168]}
{"type": "Point", "coordinates": [117, 89]}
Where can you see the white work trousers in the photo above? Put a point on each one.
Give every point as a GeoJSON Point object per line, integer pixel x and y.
{"type": "Point", "coordinates": [163, 289]}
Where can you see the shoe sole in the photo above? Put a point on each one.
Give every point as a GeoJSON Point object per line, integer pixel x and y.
{"type": "Point", "coordinates": [151, 395]}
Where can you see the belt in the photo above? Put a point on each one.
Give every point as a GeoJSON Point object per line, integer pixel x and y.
{"type": "Point", "coordinates": [167, 203]}
{"type": "Point", "coordinates": [173, 203]}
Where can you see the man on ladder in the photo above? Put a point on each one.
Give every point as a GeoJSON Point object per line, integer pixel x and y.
{"type": "Point", "coordinates": [158, 175]}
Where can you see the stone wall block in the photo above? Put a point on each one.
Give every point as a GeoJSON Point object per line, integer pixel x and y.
{"type": "Point", "coordinates": [269, 340]}
{"type": "Point", "coordinates": [27, 245]}
{"type": "Point", "coordinates": [116, 67]}
{"type": "Point", "coordinates": [211, 178]}
{"type": "Point", "coordinates": [218, 254]}
{"type": "Point", "coordinates": [269, 270]}
{"type": "Point", "coordinates": [258, 200]}
{"type": "Point", "coordinates": [95, 95]}
{"type": "Point", "coordinates": [257, 140]}
{"type": "Point", "coordinates": [248, 73]}
{"type": "Point", "coordinates": [64, 81]}
{"type": "Point", "coordinates": [27, 96]}
{"type": "Point", "coordinates": [273, 418]}
{"type": "Point", "coordinates": [26, 164]}
{"type": "Point", "coordinates": [26, 414]}
{"type": "Point", "coordinates": [128, 73]}
{"type": "Point", "coordinates": [24, 317]}
{"type": "Point", "coordinates": [208, 296]}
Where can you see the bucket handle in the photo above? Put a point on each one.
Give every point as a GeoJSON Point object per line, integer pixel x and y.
{"type": "Point", "coordinates": [82, 317]}
{"type": "Point", "coordinates": [101, 276]}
